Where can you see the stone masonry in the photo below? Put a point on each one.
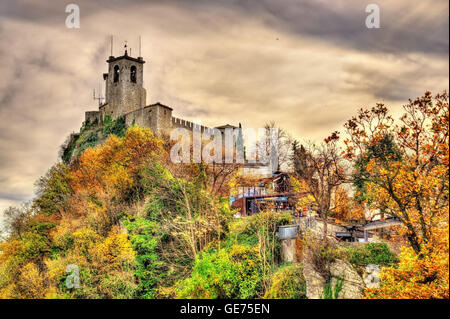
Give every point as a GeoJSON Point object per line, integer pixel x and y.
{"type": "Point", "coordinates": [125, 96]}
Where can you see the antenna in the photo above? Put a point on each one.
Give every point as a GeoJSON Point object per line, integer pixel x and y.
{"type": "Point", "coordinates": [112, 45]}
{"type": "Point", "coordinates": [99, 97]}
{"type": "Point", "coordinates": [99, 89]}
{"type": "Point", "coordinates": [140, 53]}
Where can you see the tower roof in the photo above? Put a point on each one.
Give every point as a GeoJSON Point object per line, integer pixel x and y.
{"type": "Point", "coordinates": [225, 126]}
{"type": "Point", "coordinates": [127, 57]}
{"type": "Point", "coordinates": [160, 104]}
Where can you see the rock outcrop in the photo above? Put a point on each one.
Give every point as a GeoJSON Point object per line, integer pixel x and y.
{"type": "Point", "coordinates": [352, 286]}
{"type": "Point", "coordinates": [314, 281]}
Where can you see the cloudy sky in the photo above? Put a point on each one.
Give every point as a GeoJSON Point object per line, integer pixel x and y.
{"type": "Point", "coordinates": [308, 65]}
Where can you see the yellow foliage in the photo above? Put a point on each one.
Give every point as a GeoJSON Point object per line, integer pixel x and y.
{"type": "Point", "coordinates": [424, 276]}
{"type": "Point", "coordinates": [306, 199]}
{"type": "Point", "coordinates": [31, 283]}
{"type": "Point", "coordinates": [115, 251]}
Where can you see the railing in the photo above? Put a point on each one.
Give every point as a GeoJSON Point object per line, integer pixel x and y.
{"type": "Point", "coordinates": [307, 223]}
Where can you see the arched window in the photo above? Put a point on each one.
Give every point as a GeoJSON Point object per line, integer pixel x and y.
{"type": "Point", "coordinates": [116, 74]}
{"type": "Point", "coordinates": [133, 74]}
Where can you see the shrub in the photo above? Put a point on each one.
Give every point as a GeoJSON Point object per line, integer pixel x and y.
{"type": "Point", "coordinates": [227, 273]}
{"type": "Point", "coordinates": [117, 285]}
{"type": "Point", "coordinates": [68, 148]}
{"type": "Point", "coordinates": [287, 283]}
{"type": "Point", "coordinates": [86, 141]}
{"type": "Point", "coordinates": [332, 292]}
{"type": "Point", "coordinates": [245, 231]}
{"type": "Point", "coordinates": [260, 231]}
{"type": "Point", "coordinates": [371, 253]}
{"type": "Point", "coordinates": [53, 189]}
{"type": "Point", "coordinates": [116, 126]}
{"type": "Point", "coordinates": [424, 276]}
{"type": "Point", "coordinates": [149, 270]}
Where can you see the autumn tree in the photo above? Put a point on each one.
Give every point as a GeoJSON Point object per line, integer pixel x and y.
{"type": "Point", "coordinates": [53, 190]}
{"type": "Point", "coordinates": [281, 141]}
{"type": "Point", "coordinates": [322, 170]}
{"type": "Point", "coordinates": [402, 169]}
{"type": "Point", "coordinates": [16, 221]}
{"type": "Point", "coordinates": [345, 207]}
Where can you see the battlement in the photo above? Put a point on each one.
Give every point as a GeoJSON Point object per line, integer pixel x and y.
{"type": "Point", "coordinates": [180, 123]}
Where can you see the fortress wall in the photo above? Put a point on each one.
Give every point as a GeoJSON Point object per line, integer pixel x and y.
{"type": "Point", "coordinates": [162, 117]}
{"type": "Point", "coordinates": [91, 116]}
{"type": "Point", "coordinates": [180, 123]}
{"type": "Point", "coordinates": [142, 117]}
{"type": "Point", "coordinates": [106, 109]}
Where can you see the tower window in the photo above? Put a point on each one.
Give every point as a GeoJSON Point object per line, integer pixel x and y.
{"type": "Point", "coordinates": [133, 74]}
{"type": "Point", "coordinates": [116, 74]}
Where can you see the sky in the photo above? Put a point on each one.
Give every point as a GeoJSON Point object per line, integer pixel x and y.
{"type": "Point", "coordinates": [308, 65]}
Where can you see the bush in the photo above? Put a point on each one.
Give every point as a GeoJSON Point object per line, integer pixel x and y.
{"type": "Point", "coordinates": [332, 292]}
{"type": "Point", "coordinates": [116, 127]}
{"type": "Point", "coordinates": [372, 253]}
{"type": "Point", "coordinates": [117, 285]}
{"type": "Point", "coordinates": [287, 283]}
{"type": "Point", "coordinates": [244, 231]}
{"type": "Point", "coordinates": [148, 270]}
{"type": "Point", "coordinates": [86, 141]}
{"type": "Point", "coordinates": [68, 148]}
{"type": "Point", "coordinates": [227, 273]}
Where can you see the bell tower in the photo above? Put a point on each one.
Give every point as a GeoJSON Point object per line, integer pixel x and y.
{"type": "Point", "coordinates": [124, 85]}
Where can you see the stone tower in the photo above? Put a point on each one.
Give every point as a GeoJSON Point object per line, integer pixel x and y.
{"type": "Point", "coordinates": [124, 86]}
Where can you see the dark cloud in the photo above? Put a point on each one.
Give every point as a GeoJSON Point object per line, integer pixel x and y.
{"type": "Point", "coordinates": [406, 26]}
{"type": "Point", "coordinates": [14, 197]}
{"type": "Point", "coordinates": [394, 84]}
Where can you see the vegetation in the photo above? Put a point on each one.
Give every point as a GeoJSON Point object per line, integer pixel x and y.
{"type": "Point", "coordinates": [416, 277]}
{"type": "Point", "coordinates": [403, 171]}
{"type": "Point", "coordinates": [371, 253]}
{"type": "Point", "coordinates": [287, 283]}
{"type": "Point", "coordinates": [114, 126]}
{"type": "Point", "coordinates": [131, 224]}
{"type": "Point", "coordinates": [68, 148]}
{"type": "Point", "coordinates": [91, 134]}
{"type": "Point", "coordinates": [332, 292]}
{"type": "Point", "coordinates": [321, 171]}
{"type": "Point", "coordinates": [233, 272]}
{"type": "Point", "coordinates": [149, 269]}
{"type": "Point", "coordinates": [322, 256]}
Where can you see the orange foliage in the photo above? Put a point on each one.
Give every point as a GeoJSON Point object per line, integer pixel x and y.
{"type": "Point", "coordinates": [424, 276]}
{"type": "Point", "coordinates": [113, 165]}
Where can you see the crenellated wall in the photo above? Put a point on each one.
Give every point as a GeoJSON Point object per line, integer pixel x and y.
{"type": "Point", "coordinates": [180, 123]}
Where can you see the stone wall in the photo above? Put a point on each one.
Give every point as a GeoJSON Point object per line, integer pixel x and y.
{"type": "Point", "coordinates": [352, 283]}
{"type": "Point", "coordinates": [91, 116]}
{"type": "Point", "coordinates": [142, 117]}
{"type": "Point", "coordinates": [180, 123]}
{"type": "Point", "coordinates": [316, 224]}
{"type": "Point", "coordinates": [163, 118]}
{"type": "Point", "coordinates": [156, 117]}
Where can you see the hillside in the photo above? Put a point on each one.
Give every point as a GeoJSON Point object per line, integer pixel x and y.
{"type": "Point", "coordinates": [116, 218]}
{"type": "Point", "coordinates": [132, 229]}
